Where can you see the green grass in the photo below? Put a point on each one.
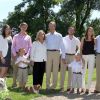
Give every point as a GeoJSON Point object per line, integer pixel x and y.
{"type": "Point", "coordinates": [15, 94]}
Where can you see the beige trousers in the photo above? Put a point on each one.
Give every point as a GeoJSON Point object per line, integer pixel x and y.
{"type": "Point", "coordinates": [15, 71]}
{"type": "Point", "coordinates": [53, 58]}
{"type": "Point", "coordinates": [98, 72]}
{"type": "Point", "coordinates": [69, 59]}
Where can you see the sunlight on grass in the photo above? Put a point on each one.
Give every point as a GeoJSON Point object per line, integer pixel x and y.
{"type": "Point", "coordinates": [15, 94]}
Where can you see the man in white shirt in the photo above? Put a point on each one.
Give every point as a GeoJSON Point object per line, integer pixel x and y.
{"type": "Point", "coordinates": [72, 44]}
{"type": "Point", "coordinates": [97, 88]}
{"type": "Point", "coordinates": [54, 44]}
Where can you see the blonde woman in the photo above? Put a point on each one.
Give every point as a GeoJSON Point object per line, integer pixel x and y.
{"type": "Point", "coordinates": [88, 52]}
{"type": "Point", "coordinates": [39, 58]}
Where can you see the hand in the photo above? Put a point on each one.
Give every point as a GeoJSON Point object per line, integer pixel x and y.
{"type": "Point", "coordinates": [32, 63]}
{"type": "Point", "coordinates": [82, 67]}
{"type": "Point", "coordinates": [3, 60]}
{"type": "Point", "coordinates": [64, 61]}
{"type": "Point", "coordinates": [0, 53]}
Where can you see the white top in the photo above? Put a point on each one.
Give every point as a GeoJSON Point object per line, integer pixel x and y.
{"type": "Point", "coordinates": [22, 58]}
{"type": "Point", "coordinates": [38, 52]}
{"type": "Point", "coordinates": [98, 44]}
{"type": "Point", "coordinates": [76, 66]}
{"type": "Point", "coordinates": [55, 42]}
{"type": "Point", "coordinates": [71, 44]}
{"type": "Point", "coordinates": [3, 45]}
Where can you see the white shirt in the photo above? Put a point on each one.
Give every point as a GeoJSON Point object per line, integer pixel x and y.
{"type": "Point", "coordinates": [55, 42]}
{"type": "Point", "coordinates": [71, 44]}
{"type": "Point", "coordinates": [76, 66]}
{"type": "Point", "coordinates": [22, 58]}
{"type": "Point", "coordinates": [98, 44]}
{"type": "Point", "coordinates": [38, 52]}
{"type": "Point", "coordinates": [3, 45]}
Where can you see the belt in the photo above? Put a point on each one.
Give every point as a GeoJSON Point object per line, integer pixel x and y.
{"type": "Point", "coordinates": [22, 68]}
{"type": "Point", "coordinates": [77, 73]}
{"type": "Point", "coordinates": [70, 54]}
{"type": "Point", "coordinates": [53, 50]}
{"type": "Point", "coordinates": [97, 53]}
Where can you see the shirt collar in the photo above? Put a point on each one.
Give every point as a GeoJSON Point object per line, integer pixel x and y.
{"type": "Point", "coordinates": [53, 33]}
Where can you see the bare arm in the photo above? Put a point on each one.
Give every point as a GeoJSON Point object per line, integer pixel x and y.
{"type": "Point", "coordinates": [81, 46]}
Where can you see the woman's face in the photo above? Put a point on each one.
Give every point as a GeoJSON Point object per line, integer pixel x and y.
{"type": "Point", "coordinates": [7, 31]}
{"type": "Point", "coordinates": [90, 32]}
{"type": "Point", "coordinates": [41, 36]}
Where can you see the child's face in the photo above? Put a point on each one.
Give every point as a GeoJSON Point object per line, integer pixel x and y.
{"type": "Point", "coordinates": [22, 52]}
{"type": "Point", "coordinates": [77, 57]}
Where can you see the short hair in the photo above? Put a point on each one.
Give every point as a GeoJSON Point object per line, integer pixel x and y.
{"type": "Point", "coordinates": [21, 49]}
{"type": "Point", "coordinates": [53, 22]}
{"type": "Point", "coordinates": [78, 54]}
{"type": "Point", "coordinates": [71, 27]}
{"type": "Point", "coordinates": [23, 23]}
{"type": "Point", "coordinates": [38, 33]}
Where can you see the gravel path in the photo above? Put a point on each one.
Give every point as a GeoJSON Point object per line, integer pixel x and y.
{"type": "Point", "coordinates": [64, 96]}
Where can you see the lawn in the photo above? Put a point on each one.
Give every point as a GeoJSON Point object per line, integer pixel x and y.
{"type": "Point", "coordinates": [15, 94]}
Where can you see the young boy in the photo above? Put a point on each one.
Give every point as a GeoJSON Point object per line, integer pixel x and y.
{"type": "Point", "coordinates": [77, 68]}
{"type": "Point", "coordinates": [22, 64]}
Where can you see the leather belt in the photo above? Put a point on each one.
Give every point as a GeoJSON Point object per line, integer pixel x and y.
{"type": "Point", "coordinates": [53, 50]}
{"type": "Point", "coordinates": [97, 53]}
{"type": "Point", "coordinates": [70, 54]}
{"type": "Point", "coordinates": [77, 73]}
{"type": "Point", "coordinates": [22, 68]}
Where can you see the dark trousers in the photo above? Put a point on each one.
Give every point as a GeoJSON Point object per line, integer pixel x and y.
{"type": "Point", "coordinates": [38, 72]}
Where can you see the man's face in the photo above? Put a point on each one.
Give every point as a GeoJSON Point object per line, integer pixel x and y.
{"type": "Point", "coordinates": [71, 31]}
{"type": "Point", "coordinates": [23, 27]}
{"type": "Point", "coordinates": [51, 27]}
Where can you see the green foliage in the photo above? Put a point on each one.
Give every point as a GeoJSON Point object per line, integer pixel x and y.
{"type": "Point", "coordinates": [38, 13]}
{"type": "Point", "coordinates": [96, 25]}
{"type": "Point", "coordinates": [78, 12]}
{"type": "Point", "coordinates": [3, 94]}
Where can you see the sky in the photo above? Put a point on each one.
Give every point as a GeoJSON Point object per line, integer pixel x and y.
{"type": "Point", "coordinates": [7, 6]}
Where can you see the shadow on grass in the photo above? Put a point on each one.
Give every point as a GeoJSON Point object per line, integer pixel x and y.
{"type": "Point", "coordinates": [77, 96]}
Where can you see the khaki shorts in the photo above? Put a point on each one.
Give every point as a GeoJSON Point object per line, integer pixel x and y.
{"type": "Point", "coordinates": [22, 75]}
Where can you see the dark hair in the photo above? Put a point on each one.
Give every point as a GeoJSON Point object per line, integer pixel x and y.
{"type": "Point", "coordinates": [3, 30]}
{"type": "Point", "coordinates": [86, 34]}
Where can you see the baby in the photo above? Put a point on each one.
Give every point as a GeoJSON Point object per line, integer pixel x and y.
{"type": "Point", "coordinates": [77, 69]}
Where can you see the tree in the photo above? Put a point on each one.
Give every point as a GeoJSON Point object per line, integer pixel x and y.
{"type": "Point", "coordinates": [79, 12]}
{"type": "Point", "coordinates": [96, 25]}
{"type": "Point", "coordinates": [36, 14]}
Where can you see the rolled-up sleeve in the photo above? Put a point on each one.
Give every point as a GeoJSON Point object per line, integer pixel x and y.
{"type": "Point", "coordinates": [32, 52]}
{"type": "Point", "coordinates": [29, 47]}
{"type": "Point", "coordinates": [62, 47]}
{"type": "Point", "coordinates": [14, 46]}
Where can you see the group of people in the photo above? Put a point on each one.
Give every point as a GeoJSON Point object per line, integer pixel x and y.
{"type": "Point", "coordinates": [46, 53]}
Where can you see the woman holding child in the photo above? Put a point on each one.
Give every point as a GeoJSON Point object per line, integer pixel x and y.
{"type": "Point", "coordinates": [39, 58]}
{"type": "Point", "coordinates": [88, 52]}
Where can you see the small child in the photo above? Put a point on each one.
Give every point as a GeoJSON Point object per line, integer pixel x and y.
{"type": "Point", "coordinates": [22, 63]}
{"type": "Point", "coordinates": [77, 69]}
